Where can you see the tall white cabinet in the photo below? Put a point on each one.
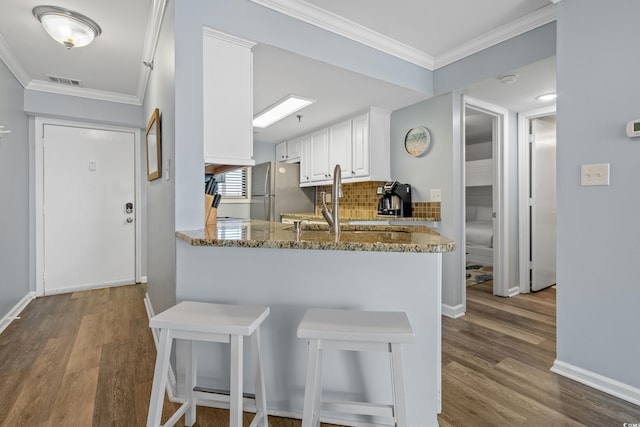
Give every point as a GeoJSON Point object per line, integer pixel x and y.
{"type": "Point", "coordinates": [227, 99]}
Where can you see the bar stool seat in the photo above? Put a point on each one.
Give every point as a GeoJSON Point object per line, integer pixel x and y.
{"type": "Point", "coordinates": [200, 321]}
{"type": "Point", "coordinates": [330, 329]}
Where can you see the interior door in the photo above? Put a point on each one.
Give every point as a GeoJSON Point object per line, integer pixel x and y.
{"type": "Point", "coordinates": [89, 196]}
{"type": "Point", "coordinates": [543, 206]}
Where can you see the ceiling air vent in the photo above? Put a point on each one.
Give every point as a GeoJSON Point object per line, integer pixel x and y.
{"type": "Point", "coordinates": [64, 81]}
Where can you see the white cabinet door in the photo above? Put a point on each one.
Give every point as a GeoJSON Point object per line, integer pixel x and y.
{"type": "Point", "coordinates": [227, 99]}
{"type": "Point", "coordinates": [319, 142]}
{"type": "Point", "coordinates": [305, 160]}
{"type": "Point", "coordinates": [293, 150]}
{"type": "Point", "coordinates": [340, 148]}
{"type": "Point", "coordinates": [360, 145]}
{"type": "Point", "coordinates": [281, 152]}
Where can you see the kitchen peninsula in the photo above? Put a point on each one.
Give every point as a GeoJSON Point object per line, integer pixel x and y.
{"type": "Point", "coordinates": [391, 268]}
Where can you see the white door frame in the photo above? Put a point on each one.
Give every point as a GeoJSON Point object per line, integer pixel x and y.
{"type": "Point", "coordinates": [40, 122]}
{"type": "Point", "coordinates": [500, 149]}
{"type": "Point", "coordinates": [524, 223]}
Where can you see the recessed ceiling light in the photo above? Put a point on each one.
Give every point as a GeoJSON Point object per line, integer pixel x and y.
{"type": "Point", "coordinates": [547, 97]}
{"type": "Point", "coordinates": [281, 109]}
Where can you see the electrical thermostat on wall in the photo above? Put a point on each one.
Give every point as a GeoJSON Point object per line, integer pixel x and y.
{"type": "Point", "coordinates": [633, 128]}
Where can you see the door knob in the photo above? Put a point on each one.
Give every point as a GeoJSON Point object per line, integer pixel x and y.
{"type": "Point", "coordinates": [129, 220]}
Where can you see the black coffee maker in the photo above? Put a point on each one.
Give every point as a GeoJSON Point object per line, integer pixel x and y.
{"type": "Point", "coordinates": [395, 199]}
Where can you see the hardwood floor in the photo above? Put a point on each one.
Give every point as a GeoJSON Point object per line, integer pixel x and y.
{"type": "Point", "coordinates": [87, 359]}
{"type": "Point", "coordinates": [495, 368]}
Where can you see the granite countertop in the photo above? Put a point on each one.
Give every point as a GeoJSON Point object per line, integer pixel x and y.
{"type": "Point", "coordinates": [265, 234]}
{"type": "Point", "coordinates": [316, 217]}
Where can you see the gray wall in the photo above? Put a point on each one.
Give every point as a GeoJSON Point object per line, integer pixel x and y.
{"type": "Point", "coordinates": [14, 194]}
{"type": "Point", "coordinates": [434, 169]}
{"type": "Point", "coordinates": [598, 291]}
{"type": "Point", "coordinates": [534, 45]}
{"type": "Point", "coordinates": [161, 205]}
{"type": "Point", "coordinates": [46, 104]}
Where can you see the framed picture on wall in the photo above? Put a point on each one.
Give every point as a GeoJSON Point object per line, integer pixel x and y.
{"type": "Point", "coordinates": [154, 148]}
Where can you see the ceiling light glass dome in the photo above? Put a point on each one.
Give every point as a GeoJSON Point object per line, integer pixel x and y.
{"type": "Point", "coordinates": [67, 27]}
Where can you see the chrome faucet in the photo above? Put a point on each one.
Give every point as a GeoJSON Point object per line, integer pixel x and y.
{"type": "Point", "coordinates": [333, 218]}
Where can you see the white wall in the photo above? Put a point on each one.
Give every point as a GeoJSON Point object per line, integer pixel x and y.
{"type": "Point", "coordinates": [161, 205]}
{"type": "Point", "coordinates": [14, 194]}
{"type": "Point", "coordinates": [598, 293]}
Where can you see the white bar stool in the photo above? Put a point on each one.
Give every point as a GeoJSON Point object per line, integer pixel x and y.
{"type": "Point", "coordinates": [354, 331]}
{"type": "Point", "coordinates": [199, 321]}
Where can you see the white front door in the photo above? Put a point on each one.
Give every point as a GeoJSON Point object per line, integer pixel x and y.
{"type": "Point", "coordinates": [88, 204]}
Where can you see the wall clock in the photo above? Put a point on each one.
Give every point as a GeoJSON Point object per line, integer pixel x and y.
{"type": "Point", "coordinates": [417, 140]}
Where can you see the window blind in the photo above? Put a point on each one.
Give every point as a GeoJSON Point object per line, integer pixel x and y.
{"type": "Point", "coordinates": [233, 184]}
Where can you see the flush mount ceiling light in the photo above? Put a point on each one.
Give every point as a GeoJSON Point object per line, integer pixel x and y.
{"type": "Point", "coordinates": [66, 26]}
{"type": "Point", "coordinates": [281, 109]}
{"type": "Point", "coordinates": [547, 97]}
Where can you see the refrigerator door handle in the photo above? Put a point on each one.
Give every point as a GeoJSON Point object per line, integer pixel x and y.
{"type": "Point", "coordinates": [266, 180]}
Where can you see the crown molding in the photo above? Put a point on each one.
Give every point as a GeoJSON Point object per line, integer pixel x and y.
{"type": "Point", "coordinates": [311, 14]}
{"type": "Point", "coordinates": [521, 25]}
{"type": "Point", "coordinates": [100, 95]}
{"type": "Point", "coordinates": [321, 18]}
{"type": "Point", "coordinates": [154, 24]}
{"type": "Point", "coordinates": [11, 61]}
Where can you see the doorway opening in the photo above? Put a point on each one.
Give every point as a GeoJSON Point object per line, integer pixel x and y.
{"type": "Point", "coordinates": [537, 204]}
{"type": "Point", "coordinates": [478, 197]}
{"type": "Point", "coordinates": [494, 180]}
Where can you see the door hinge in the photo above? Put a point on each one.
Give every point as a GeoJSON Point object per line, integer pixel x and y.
{"type": "Point", "coordinates": [531, 201]}
{"type": "Point", "coordinates": [531, 265]}
{"type": "Point", "coordinates": [532, 138]}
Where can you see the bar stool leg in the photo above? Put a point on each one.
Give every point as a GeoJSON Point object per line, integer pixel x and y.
{"type": "Point", "coordinates": [400, 410]}
{"type": "Point", "coordinates": [313, 386]}
{"type": "Point", "coordinates": [154, 416]}
{"type": "Point", "coordinates": [235, 395]}
{"type": "Point", "coordinates": [190, 383]}
{"type": "Point", "coordinates": [258, 379]}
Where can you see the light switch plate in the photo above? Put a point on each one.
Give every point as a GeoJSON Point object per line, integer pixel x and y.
{"type": "Point", "coordinates": [596, 174]}
{"type": "Point", "coordinates": [436, 195]}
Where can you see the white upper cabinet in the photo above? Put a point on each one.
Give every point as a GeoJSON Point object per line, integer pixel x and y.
{"type": "Point", "coordinates": [360, 150]}
{"type": "Point", "coordinates": [227, 99]}
{"type": "Point", "coordinates": [305, 153]}
{"type": "Point", "coordinates": [281, 151]}
{"type": "Point", "coordinates": [319, 155]}
{"type": "Point", "coordinates": [340, 147]}
{"type": "Point", "coordinates": [360, 145]}
{"type": "Point", "coordinates": [288, 151]}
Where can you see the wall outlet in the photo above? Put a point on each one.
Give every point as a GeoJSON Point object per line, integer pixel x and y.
{"type": "Point", "coordinates": [436, 195]}
{"type": "Point", "coordinates": [597, 174]}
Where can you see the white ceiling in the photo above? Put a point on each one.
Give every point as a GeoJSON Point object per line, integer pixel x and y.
{"type": "Point", "coordinates": [430, 33]}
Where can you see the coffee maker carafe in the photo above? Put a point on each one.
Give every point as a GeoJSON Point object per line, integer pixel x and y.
{"type": "Point", "coordinates": [395, 199]}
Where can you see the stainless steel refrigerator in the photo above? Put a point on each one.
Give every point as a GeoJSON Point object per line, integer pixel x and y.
{"type": "Point", "coordinates": [275, 190]}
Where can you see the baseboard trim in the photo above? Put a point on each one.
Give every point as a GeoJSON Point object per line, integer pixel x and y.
{"type": "Point", "coordinates": [88, 287]}
{"type": "Point", "coordinates": [454, 311]}
{"type": "Point", "coordinates": [513, 291]}
{"type": "Point", "coordinates": [171, 380]}
{"type": "Point", "coordinates": [16, 310]}
{"type": "Point", "coordinates": [597, 381]}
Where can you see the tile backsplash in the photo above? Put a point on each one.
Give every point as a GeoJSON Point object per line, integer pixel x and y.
{"type": "Point", "coordinates": [359, 200]}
